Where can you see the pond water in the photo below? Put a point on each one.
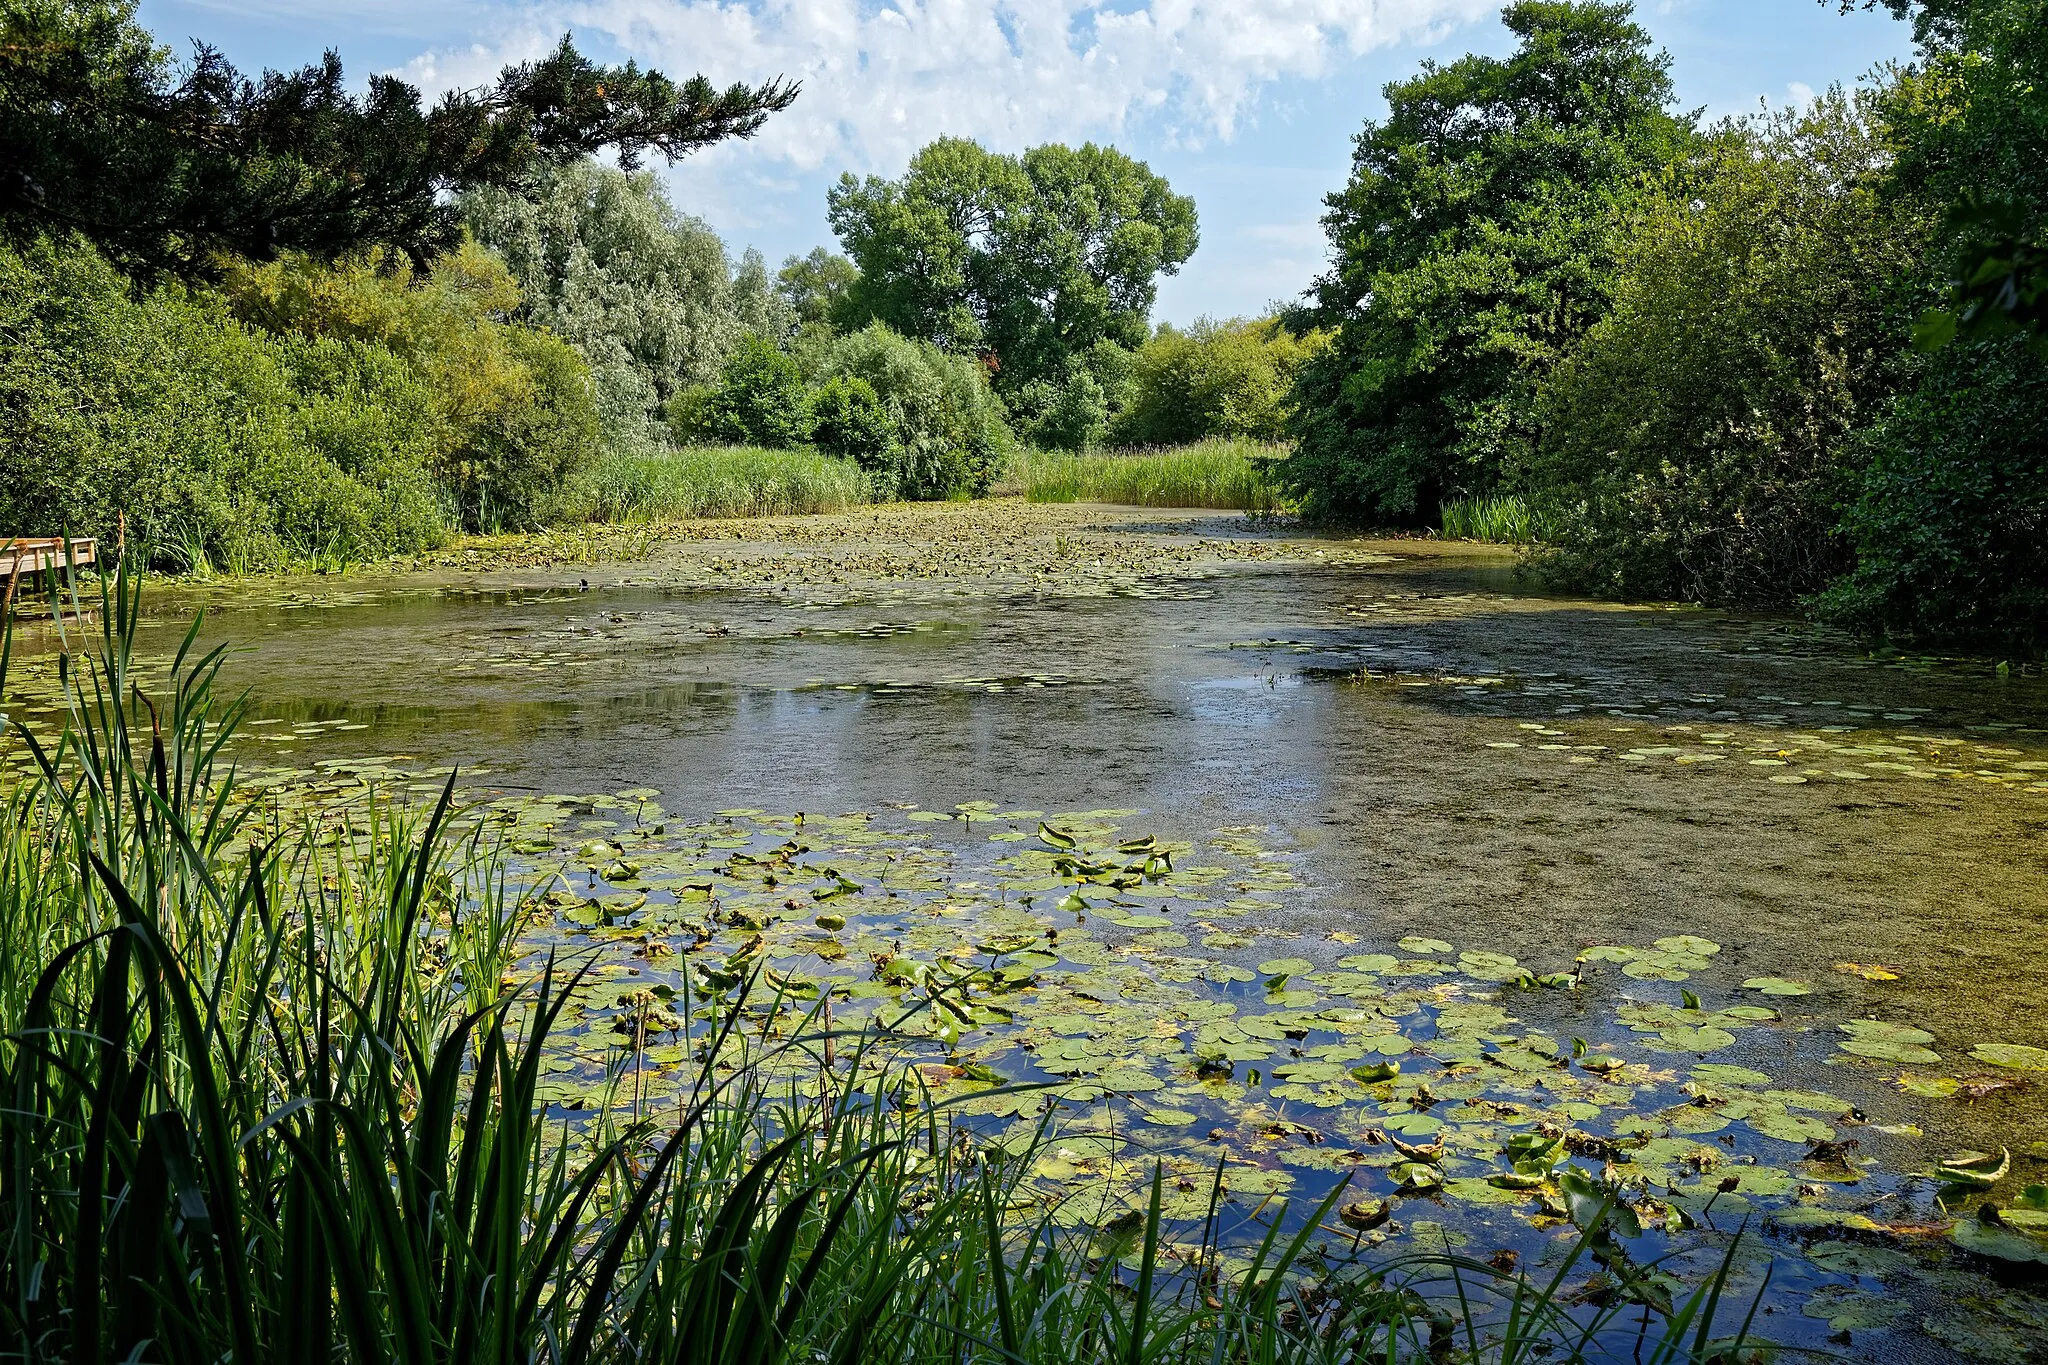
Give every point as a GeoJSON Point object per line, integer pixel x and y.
{"type": "Point", "coordinates": [1404, 811]}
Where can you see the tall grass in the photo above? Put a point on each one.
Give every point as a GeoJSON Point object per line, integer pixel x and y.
{"type": "Point", "coordinates": [267, 1100]}
{"type": "Point", "coordinates": [710, 481]}
{"type": "Point", "coordinates": [1502, 518]}
{"type": "Point", "coordinates": [1219, 473]}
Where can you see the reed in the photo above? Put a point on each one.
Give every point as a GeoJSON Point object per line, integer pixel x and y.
{"type": "Point", "coordinates": [1224, 474]}
{"type": "Point", "coordinates": [710, 481]}
{"type": "Point", "coordinates": [1500, 518]}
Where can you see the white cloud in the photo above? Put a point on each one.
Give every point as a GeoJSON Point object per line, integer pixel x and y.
{"type": "Point", "coordinates": [882, 79]}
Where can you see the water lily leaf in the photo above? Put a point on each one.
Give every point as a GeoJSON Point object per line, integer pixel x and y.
{"type": "Point", "coordinates": [1689, 943]}
{"type": "Point", "coordinates": [2013, 1055]}
{"type": "Point", "coordinates": [1286, 966]}
{"type": "Point", "coordinates": [1415, 943]}
{"type": "Point", "coordinates": [1777, 985]}
{"type": "Point", "coordinates": [1791, 1127]}
{"type": "Point", "coordinates": [1845, 1309]}
{"type": "Point", "coordinates": [1975, 1170]}
{"type": "Point", "coordinates": [1707, 1039]}
{"type": "Point", "coordinates": [1608, 952]}
{"type": "Point", "coordinates": [1369, 962]}
{"type": "Point", "coordinates": [1169, 1118]}
{"type": "Point", "coordinates": [1999, 1242]}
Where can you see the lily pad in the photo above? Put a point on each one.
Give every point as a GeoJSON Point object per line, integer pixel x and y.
{"type": "Point", "coordinates": [1777, 985]}
{"type": "Point", "coordinates": [2016, 1056]}
{"type": "Point", "coordinates": [1415, 943]}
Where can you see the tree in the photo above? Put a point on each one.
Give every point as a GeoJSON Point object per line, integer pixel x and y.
{"type": "Point", "coordinates": [168, 171]}
{"type": "Point", "coordinates": [949, 434]}
{"type": "Point", "coordinates": [646, 294]}
{"type": "Point", "coordinates": [816, 286]}
{"type": "Point", "coordinates": [1032, 259]}
{"type": "Point", "coordinates": [1701, 440]}
{"type": "Point", "coordinates": [1472, 246]}
{"type": "Point", "coordinates": [1950, 527]}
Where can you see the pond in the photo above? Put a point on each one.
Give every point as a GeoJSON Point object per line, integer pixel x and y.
{"type": "Point", "coordinates": [1327, 860]}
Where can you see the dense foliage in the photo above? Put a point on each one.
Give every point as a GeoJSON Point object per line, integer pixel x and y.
{"type": "Point", "coordinates": [209, 441]}
{"type": "Point", "coordinates": [1702, 438]}
{"type": "Point", "coordinates": [165, 169]}
{"type": "Point", "coordinates": [647, 295]}
{"type": "Point", "coordinates": [1782, 359]}
{"type": "Point", "coordinates": [511, 410]}
{"type": "Point", "coordinates": [1952, 517]}
{"type": "Point", "coordinates": [1473, 245]}
{"type": "Point", "coordinates": [1032, 258]}
{"type": "Point", "coordinates": [1231, 379]}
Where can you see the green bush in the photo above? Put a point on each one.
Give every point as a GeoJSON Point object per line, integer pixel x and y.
{"type": "Point", "coordinates": [1701, 441]}
{"type": "Point", "coordinates": [850, 421]}
{"type": "Point", "coordinates": [213, 442]}
{"type": "Point", "coordinates": [760, 399]}
{"type": "Point", "coordinates": [1072, 415]}
{"type": "Point", "coordinates": [1951, 525]}
{"type": "Point", "coordinates": [1229, 379]}
{"type": "Point", "coordinates": [950, 437]}
{"type": "Point", "coordinates": [513, 408]}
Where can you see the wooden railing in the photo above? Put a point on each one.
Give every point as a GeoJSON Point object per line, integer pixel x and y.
{"type": "Point", "coordinates": [27, 556]}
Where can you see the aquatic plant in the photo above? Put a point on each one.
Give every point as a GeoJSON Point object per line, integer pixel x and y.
{"type": "Point", "coordinates": [1228, 474]}
{"type": "Point", "coordinates": [1502, 518]}
{"type": "Point", "coordinates": [711, 481]}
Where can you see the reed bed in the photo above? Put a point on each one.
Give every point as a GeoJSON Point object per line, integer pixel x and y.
{"type": "Point", "coordinates": [1499, 518]}
{"type": "Point", "coordinates": [1224, 474]}
{"type": "Point", "coordinates": [711, 481]}
{"type": "Point", "coordinates": [272, 1078]}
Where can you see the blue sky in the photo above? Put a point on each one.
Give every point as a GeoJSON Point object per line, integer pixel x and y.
{"type": "Point", "coordinates": [1249, 105]}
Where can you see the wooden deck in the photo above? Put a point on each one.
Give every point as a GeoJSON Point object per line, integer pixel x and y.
{"type": "Point", "coordinates": [28, 557]}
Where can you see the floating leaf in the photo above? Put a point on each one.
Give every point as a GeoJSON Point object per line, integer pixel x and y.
{"type": "Point", "coordinates": [1976, 1170]}
{"type": "Point", "coordinates": [1286, 966]}
{"type": "Point", "coordinates": [1869, 971]}
{"type": "Point", "coordinates": [1415, 943]}
{"type": "Point", "coordinates": [1777, 985]}
{"type": "Point", "coordinates": [2016, 1056]}
{"type": "Point", "coordinates": [1846, 1309]}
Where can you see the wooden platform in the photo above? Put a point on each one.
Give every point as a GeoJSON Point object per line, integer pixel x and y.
{"type": "Point", "coordinates": [25, 555]}
{"type": "Point", "coordinates": [27, 558]}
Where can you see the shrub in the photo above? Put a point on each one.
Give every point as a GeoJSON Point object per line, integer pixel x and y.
{"type": "Point", "coordinates": [760, 399]}
{"type": "Point", "coordinates": [1951, 524]}
{"type": "Point", "coordinates": [850, 421]}
{"type": "Point", "coordinates": [950, 437]}
{"type": "Point", "coordinates": [1700, 442]}
{"type": "Point", "coordinates": [212, 441]}
{"type": "Point", "coordinates": [1231, 379]}
{"type": "Point", "coordinates": [513, 406]}
{"type": "Point", "coordinates": [1072, 415]}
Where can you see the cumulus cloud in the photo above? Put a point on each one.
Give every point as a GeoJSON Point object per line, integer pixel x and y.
{"type": "Point", "coordinates": [883, 78]}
